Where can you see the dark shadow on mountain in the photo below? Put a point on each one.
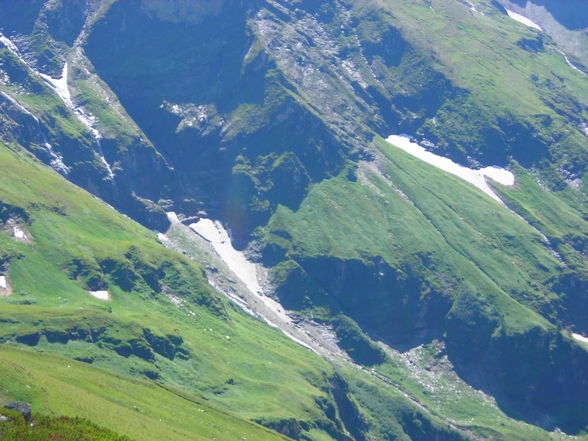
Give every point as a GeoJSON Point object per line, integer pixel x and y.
{"type": "Point", "coordinates": [537, 375]}
{"type": "Point", "coordinates": [390, 304]}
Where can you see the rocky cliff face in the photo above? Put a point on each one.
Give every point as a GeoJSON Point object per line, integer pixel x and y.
{"type": "Point", "coordinates": [75, 125]}
{"type": "Point", "coordinates": [215, 86]}
{"type": "Point", "coordinates": [565, 22]}
{"type": "Point", "coordinates": [330, 75]}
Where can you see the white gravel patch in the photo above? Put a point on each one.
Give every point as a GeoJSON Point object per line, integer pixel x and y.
{"type": "Point", "coordinates": [478, 178]}
{"type": "Point", "coordinates": [100, 295]}
{"type": "Point", "coordinates": [524, 20]}
{"type": "Point", "coordinates": [175, 300]}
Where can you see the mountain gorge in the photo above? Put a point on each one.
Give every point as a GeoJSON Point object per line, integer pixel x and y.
{"type": "Point", "coordinates": [412, 305]}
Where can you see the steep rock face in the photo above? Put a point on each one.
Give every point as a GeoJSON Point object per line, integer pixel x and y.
{"type": "Point", "coordinates": [565, 22]}
{"type": "Point", "coordinates": [80, 130]}
{"type": "Point", "coordinates": [393, 303]}
{"type": "Point", "coordinates": [215, 87]}
{"type": "Point", "coordinates": [220, 121]}
{"type": "Point", "coordinates": [511, 366]}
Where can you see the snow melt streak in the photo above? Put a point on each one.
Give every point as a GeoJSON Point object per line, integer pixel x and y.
{"type": "Point", "coordinates": [474, 177]}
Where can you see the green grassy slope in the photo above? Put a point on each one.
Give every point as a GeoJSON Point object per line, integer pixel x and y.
{"type": "Point", "coordinates": [428, 215]}
{"type": "Point", "coordinates": [562, 218]}
{"type": "Point", "coordinates": [427, 379]}
{"type": "Point", "coordinates": [77, 244]}
{"type": "Point", "coordinates": [522, 100]}
{"type": "Point", "coordinates": [140, 410]}
{"type": "Point", "coordinates": [46, 428]}
{"type": "Point", "coordinates": [409, 253]}
{"type": "Point", "coordinates": [166, 344]}
{"type": "Point", "coordinates": [413, 254]}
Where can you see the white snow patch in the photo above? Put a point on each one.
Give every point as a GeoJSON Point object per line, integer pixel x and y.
{"type": "Point", "coordinates": [3, 282]}
{"type": "Point", "coordinates": [173, 217]}
{"type": "Point", "coordinates": [19, 234]}
{"type": "Point", "coordinates": [473, 8]}
{"type": "Point", "coordinates": [215, 233]}
{"type": "Point", "coordinates": [522, 19]}
{"type": "Point", "coordinates": [499, 174]}
{"type": "Point", "coordinates": [246, 271]}
{"type": "Point", "coordinates": [59, 85]}
{"type": "Point", "coordinates": [100, 295]}
{"type": "Point", "coordinates": [478, 178]}
{"type": "Point", "coordinates": [580, 337]}
{"type": "Point", "coordinates": [10, 45]}
{"type": "Point", "coordinates": [61, 88]}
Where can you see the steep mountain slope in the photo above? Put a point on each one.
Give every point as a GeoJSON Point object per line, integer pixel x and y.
{"type": "Point", "coordinates": [81, 131]}
{"type": "Point", "coordinates": [133, 407]}
{"type": "Point", "coordinates": [565, 22]}
{"type": "Point", "coordinates": [460, 267]}
{"type": "Point", "coordinates": [163, 322]}
{"type": "Point", "coordinates": [268, 115]}
{"type": "Point", "coordinates": [91, 285]}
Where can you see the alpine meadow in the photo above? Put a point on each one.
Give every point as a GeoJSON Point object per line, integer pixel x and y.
{"type": "Point", "coordinates": [310, 220]}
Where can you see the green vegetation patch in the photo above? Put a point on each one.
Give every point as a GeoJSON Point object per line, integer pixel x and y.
{"type": "Point", "coordinates": [44, 428]}
{"type": "Point", "coordinates": [133, 408]}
